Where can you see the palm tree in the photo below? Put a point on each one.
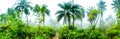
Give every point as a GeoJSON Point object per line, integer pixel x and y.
{"type": "Point", "coordinates": [69, 11]}
{"type": "Point", "coordinates": [116, 6]}
{"type": "Point", "coordinates": [41, 12]}
{"type": "Point", "coordinates": [44, 11]}
{"type": "Point", "coordinates": [81, 15]}
{"type": "Point", "coordinates": [92, 15]}
{"type": "Point", "coordinates": [24, 7]}
{"type": "Point", "coordinates": [101, 6]}
{"type": "Point", "coordinates": [78, 12]}
{"type": "Point", "coordinates": [65, 12]}
{"type": "Point", "coordinates": [37, 10]}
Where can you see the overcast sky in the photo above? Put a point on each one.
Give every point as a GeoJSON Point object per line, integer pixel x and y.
{"type": "Point", "coordinates": [53, 5]}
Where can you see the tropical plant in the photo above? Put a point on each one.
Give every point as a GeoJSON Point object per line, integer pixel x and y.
{"type": "Point", "coordinates": [37, 10]}
{"type": "Point", "coordinates": [44, 32]}
{"type": "Point", "coordinates": [116, 6]}
{"type": "Point", "coordinates": [41, 13]}
{"type": "Point", "coordinates": [44, 11]}
{"type": "Point", "coordinates": [24, 7]}
{"type": "Point", "coordinates": [65, 33]}
{"type": "Point", "coordinates": [102, 7]}
{"type": "Point", "coordinates": [78, 12]}
{"type": "Point", "coordinates": [92, 15]}
{"type": "Point", "coordinates": [113, 32]}
{"type": "Point", "coordinates": [68, 11]}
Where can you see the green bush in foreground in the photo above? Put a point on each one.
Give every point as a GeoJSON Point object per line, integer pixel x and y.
{"type": "Point", "coordinates": [45, 32]}
{"type": "Point", "coordinates": [65, 33]}
{"type": "Point", "coordinates": [113, 32]}
{"type": "Point", "coordinates": [20, 31]}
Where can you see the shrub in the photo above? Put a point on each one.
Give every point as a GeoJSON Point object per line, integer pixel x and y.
{"type": "Point", "coordinates": [65, 33]}
{"type": "Point", "coordinates": [44, 32]}
{"type": "Point", "coordinates": [113, 32]}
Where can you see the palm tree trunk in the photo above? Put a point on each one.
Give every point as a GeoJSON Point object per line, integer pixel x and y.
{"type": "Point", "coordinates": [100, 17]}
{"type": "Point", "coordinates": [21, 14]}
{"type": "Point", "coordinates": [43, 19]}
{"type": "Point", "coordinates": [39, 19]}
{"type": "Point", "coordinates": [81, 23]}
{"type": "Point", "coordinates": [97, 20]}
{"type": "Point", "coordinates": [91, 23]}
{"type": "Point", "coordinates": [27, 21]}
{"type": "Point", "coordinates": [73, 20]}
{"type": "Point", "coordinates": [68, 20]}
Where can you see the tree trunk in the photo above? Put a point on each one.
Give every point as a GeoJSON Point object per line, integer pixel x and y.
{"type": "Point", "coordinates": [91, 23]}
{"type": "Point", "coordinates": [73, 14]}
{"type": "Point", "coordinates": [73, 20]}
{"type": "Point", "coordinates": [97, 20]}
{"type": "Point", "coordinates": [69, 20]}
{"type": "Point", "coordinates": [39, 19]}
{"type": "Point", "coordinates": [100, 17]}
{"type": "Point", "coordinates": [27, 27]}
{"type": "Point", "coordinates": [81, 23]}
{"type": "Point", "coordinates": [43, 19]}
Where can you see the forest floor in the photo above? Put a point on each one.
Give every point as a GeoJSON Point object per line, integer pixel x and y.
{"type": "Point", "coordinates": [56, 36]}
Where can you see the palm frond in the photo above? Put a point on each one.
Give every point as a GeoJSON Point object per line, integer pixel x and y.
{"type": "Point", "coordinates": [59, 17]}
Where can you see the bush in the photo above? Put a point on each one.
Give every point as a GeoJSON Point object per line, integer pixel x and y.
{"type": "Point", "coordinates": [20, 30]}
{"type": "Point", "coordinates": [113, 32]}
{"type": "Point", "coordinates": [65, 33]}
{"type": "Point", "coordinates": [44, 32]}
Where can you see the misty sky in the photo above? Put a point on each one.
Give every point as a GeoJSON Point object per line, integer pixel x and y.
{"type": "Point", "coordinates": [53, 5]}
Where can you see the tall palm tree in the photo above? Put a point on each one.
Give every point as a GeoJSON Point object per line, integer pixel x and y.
{"type": "Point", "coordinates": [116, 6]}
{"type": "Point", "coordinates": [92, 15]}
{"type": "Point", "coordinates": [44, 11]}
{"type": "Point", "coordinates": [78, 12]}
{"type": "Point", "coordinates": [65, 12]}
{"type": "Point", "coordinates": [81, 11]}
{"type": "Point", "coordinates": [101, 6]}
{"type": "Point", "coordinates": [41, 13]}
{"type": "Point", "coordinates": [68, 11]}
{"type": "Point", "coordinates": [24, 7]}
{"type": "Point", "coordinates": [37, 10]}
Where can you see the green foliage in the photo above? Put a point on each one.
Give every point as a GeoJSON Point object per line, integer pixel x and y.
{"type": "Point", "coordinates": [114, 31]}
{"type": "Point", "coordinates": [92, 14]}
{"type": "Point", "coordinates": [45, 32]}
{"type": "Point", "coordinates": [18, 30]}
{"type": "Point", "coordinates": [65, 33]}
{"type": "Point", "coordinates": [41, 13]}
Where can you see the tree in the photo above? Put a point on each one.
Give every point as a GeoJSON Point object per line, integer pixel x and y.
{"type": "Point", "coordinates": [77, 9]}
{"type": "Point", "coordinates": [24, 7]}
{"type": "Point", "coordinates": [37, 11]}
{"type": "Point", "coordinates": [44, 11]}
{"type": "Point", "coordinates": [65, 12]}
{"type": "Point", "coordinates": [116, 6]}
{"type": "Point", "coordinates": [69, 11]}
{"type": "Point", "coordinates": [92, 15]}
{"type": "Point", "coordinates": [101, 6]}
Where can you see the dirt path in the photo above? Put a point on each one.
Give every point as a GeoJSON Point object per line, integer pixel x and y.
{"type": "Point", "coordinates": [56, 36]}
